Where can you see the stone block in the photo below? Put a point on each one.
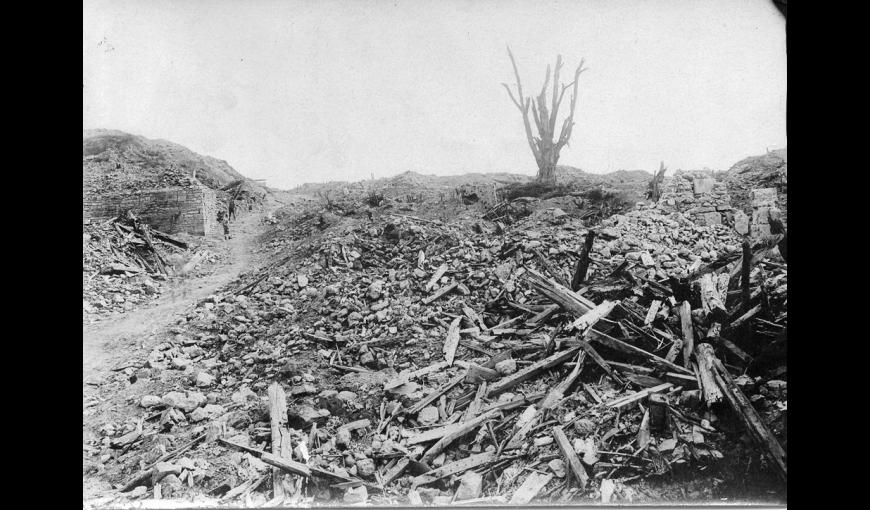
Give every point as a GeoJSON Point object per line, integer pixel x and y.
{"type": "Point", "coordinates": [763, 197]}
{"type": "Point", "coordinates": [712, 218]}
{"type": "Point", "coordinates": [741, 222]}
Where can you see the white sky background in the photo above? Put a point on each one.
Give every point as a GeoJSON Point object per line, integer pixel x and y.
{"type": "Point", "coordinates": [306, 91]}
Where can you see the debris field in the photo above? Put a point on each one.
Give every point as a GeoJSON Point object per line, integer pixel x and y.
{"type": "Point", "coordinates": [392, 359]}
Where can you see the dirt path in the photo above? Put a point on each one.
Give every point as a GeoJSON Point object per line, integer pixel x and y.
{"type": "Point", "coordinates": [106, 344]}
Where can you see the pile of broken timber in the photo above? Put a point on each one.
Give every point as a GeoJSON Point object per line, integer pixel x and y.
{"type": "Point", "coordinates": [634, 417]}
{"type": "Point", "coordinates": [136, 247]}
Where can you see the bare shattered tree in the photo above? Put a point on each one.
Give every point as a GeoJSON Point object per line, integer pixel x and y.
{"type": "Point", "coordinates": [654, 191]}
{"type": "Point", "coordinates": [544, 148]}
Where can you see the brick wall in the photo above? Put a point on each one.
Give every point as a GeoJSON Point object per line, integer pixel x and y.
{"type": "Point", "coordinates": [171, 210]}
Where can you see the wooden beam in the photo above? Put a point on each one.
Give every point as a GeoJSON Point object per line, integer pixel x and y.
{"type": "Point", "coordinates": [640, 395]}
{"type": "Point", "coordinates": [570, 457]}
{"type": "Point", "coordinates": [531, 371]}
{"type": "Point", "coordinates": [282, 446]}
{"type": "Point", "coordinates": [583, 262]}
{"type": "Point", "coordinates": [688, 336]}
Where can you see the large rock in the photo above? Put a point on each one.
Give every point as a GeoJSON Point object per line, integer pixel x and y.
{"type": "Point", "coordinates": [365, 468]}
{"type": "Point", "coordinates": [150, 401]}
{"type": "Point", "coordinates": [741, 222]}
{"type": "Point", "coordinates": [763, 197]}
{"type": "Point", "coordinates": [178, 400]}
{"type": "Point", "coordinates": [428, 416]}
{"type": "Point", "coordinates": [470, 486]}
{"type": "Point", "coordinates": [375, 290]}
{"type": "Point", "coordinates": [356, 495]}
{"type": "Point", "coordinates": [304, 416]}
{"type": "Point", "coordinates": [204, 380]}
{"type": "Point", "coordinates": [712, 218]}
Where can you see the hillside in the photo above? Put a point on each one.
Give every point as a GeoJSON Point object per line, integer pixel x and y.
{"type": "Point", "coordinates": [115, 161]}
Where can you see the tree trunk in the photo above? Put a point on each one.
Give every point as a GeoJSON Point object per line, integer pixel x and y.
{"type": "Point", "coordinates": [547, 165]}
{"type": "Point", "coordinates": [547, 174]}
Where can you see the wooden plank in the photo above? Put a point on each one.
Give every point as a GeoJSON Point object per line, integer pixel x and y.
{"type": "Point", "coordinates": [601, 362]}
{"type": "Point", "coordinates": [688, 336]}
{"type": "Point", "coordinates": [559, 294]}
{"type": "Point", "coordinates": [282, 446]}
{"type": "Point", "coordinates": [403, 378]}
{"type": "Point", "coordinates": [440, 292]}
{"type": "Point", "coordinates": [476, 404]}
{"type": "Point", "coordinates": [570, 457]}
{"type": "Point", "coordinates": [290, 466]}
{"type": "Point", "coordinates": [452, 341]}
{"type": "Point", "coordinates": [651, 313]}
{"type": "Point", "coordinates": [704, 356]}
{"type": "Point", "coordinates": [583, 261]}
{"type": "Point", "coordinates": [461, 430]}
{"type": "Point", "coordinates": [516, 402]}
{"type": "Point", "coordinates": [742, 355]}
{"type": "Point", "coordinates": [435, 277]}
{"type": "Point", "coordinates": [531, 371]}
{"type": "Point", "coordinates": [711, 301]}
{"type": "Point", "coordinates": [396, 471]}
{"type": "Point", "coordinates": [437, 393]}
{"type": "Point", "coordinates": [745, 317]}
{"type": "Point", "coordinates": [530, 488]}
{"type": "Point", "coordinates": [454, 468]}
{"type": "Point", "coordinates": [543, 315]}
{"type": "Point", "coordinates": [558, 392]}
{"type": "Point", "coordinates": [745, 268]}
{"type": "Point", "coordinates": [640, 395]}
{"type": "Point", "coordinates": [753, 422]}
{"type": "Point", "coordinates": [614, 343]}
{"type": "Point", "coordinates": [591, 317]}
{"type": "Point", "coordinates": [473, 317]}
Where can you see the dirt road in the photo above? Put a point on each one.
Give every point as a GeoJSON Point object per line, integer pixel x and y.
{"type": "Point", "coordinates": [106, 344]}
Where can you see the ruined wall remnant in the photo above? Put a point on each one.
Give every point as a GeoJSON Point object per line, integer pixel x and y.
{"type": "Point", "coordinates": [171, 210]}
{"type": "Point", "coordinates": [764, 203]}
{"type": "Point", "coordinates": [698, 195]}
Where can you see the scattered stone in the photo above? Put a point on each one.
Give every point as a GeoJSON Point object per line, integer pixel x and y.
{"type": "Point", "coordinates": [204, 380]}
{"type": "Point", "coordinates": [150, 401]}
{"type": "Point", "coordinates": [356, 495]}
{"type": "Point", "coordinates": [470, 486]}
{"type": "Point", "coordinates": [557, 466]}
{"type": "Point", "coordinates": [428, 416]}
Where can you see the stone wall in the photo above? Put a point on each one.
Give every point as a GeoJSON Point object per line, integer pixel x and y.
{"type": "Point", "coordinates": [171, 210]}
{"type": "Point", "coordinates": [698, 195]}
{"type": "Point", "coordinates": [764, 203]}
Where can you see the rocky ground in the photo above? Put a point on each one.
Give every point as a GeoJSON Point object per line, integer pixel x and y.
{"type": "Point", "coordinates": [396, 354]}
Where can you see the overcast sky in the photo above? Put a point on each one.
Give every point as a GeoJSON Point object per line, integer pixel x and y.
{"type": "Point", "coordinates": [304, 91]}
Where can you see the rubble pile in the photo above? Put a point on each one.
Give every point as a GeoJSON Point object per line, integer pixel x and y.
{"type": "Point", "coordinates": [124, 262]}
{"type": "Point", "coordinates": [118, 162]}
{"type": "Point", "coordinates": [118, 171]}
{"type": "Point", "coordinates": [405, 361]}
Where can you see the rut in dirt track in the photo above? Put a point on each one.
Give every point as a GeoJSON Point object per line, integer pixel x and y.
{"type": "Point", "coordinates": [107, 344]}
